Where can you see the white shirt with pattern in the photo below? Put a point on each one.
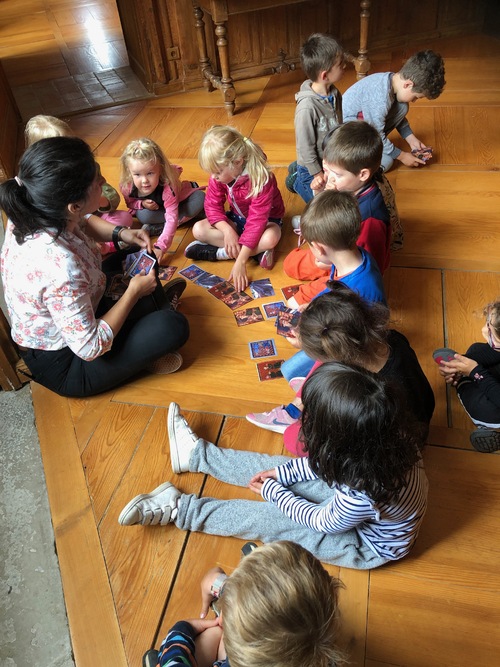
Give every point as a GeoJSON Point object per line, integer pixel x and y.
{"type": "Point", "coordinates": [52, 288]}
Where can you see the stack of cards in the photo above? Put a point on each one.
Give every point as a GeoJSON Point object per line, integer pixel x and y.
{"type": "Point", "coordinates": [137, 262]}
{"type": "Point", "coordinates": [424, 154]}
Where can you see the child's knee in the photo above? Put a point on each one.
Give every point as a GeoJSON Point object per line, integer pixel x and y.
{"type": "Point", "coordinates": [200, 229]}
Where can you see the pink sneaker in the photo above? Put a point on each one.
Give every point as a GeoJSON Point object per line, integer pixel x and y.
{"type": "Point", "coordinates": [296, 383]}
{"type": "Point", "coordinates": [267, 260]}
{"type": "Point", "coordinates": [276, 420]}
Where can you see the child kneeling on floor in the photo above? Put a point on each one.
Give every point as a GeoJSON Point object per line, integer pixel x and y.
{"type": "Point", "coordinates": [357, 501]}
{"type": "Point", "coordinates": [279, 607]}
{"type": "Point", "coordinates": [252, 226]}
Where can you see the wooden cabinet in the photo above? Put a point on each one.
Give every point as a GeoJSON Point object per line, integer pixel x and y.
{"type": "Point", "coordinates": [162, 40]}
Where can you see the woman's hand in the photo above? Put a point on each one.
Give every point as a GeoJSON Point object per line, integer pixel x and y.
{"type": "Point", "coordinates": [142, 284]}
{"type": "Point", "coordinates": [255, 484]}
{"type": "Point", "coordinates": [206, 589]}
{"type": "Point", "coordinates": [150, 205]}
{"type": "Point", "coordinates": [239, 276]}
{"type": "Point", "coordinates": [138, 237]}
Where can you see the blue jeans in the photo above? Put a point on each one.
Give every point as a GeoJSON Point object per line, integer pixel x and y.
{"type": "Point", "coordinates": [297, 366]}
{"type": "Point", "coordinates": [302, 185]}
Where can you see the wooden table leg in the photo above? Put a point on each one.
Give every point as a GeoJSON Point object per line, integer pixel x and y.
{"type": "Point", "coordinates": [228, 91]}
{"type": "Point", "coordinates": [361, 63]}
{"type": "Point", "coordinates": [204, 60]}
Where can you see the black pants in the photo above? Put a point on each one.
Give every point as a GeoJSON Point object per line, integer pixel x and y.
{"type": "Point", "coordinates": [481, 399]}
{"type": "Point", "coordinates": [151, 330]}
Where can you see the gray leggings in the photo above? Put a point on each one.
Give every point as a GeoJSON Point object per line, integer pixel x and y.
{"type": "Point", "coordinates": [257, 520]}
{"type": "Point", "coordinates": [189, 208]}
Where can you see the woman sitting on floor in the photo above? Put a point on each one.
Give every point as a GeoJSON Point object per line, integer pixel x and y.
{"type": "Point", "coordinates": [72, 340]}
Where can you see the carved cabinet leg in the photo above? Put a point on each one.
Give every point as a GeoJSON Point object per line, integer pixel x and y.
{"type": "Point", "coordinates": [204, 60]}
{"type": "Point", "coordinates": [361, 63]}
{"type": "Point", "coordinates": [228, 91]}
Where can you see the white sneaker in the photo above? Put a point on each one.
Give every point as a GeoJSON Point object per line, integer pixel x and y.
{"type": "Point", "coordinates": [150, 509]}
{"type": "Point", "coordinates": [182, 439]}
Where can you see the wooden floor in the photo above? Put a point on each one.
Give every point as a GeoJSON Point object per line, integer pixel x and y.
{"type": "Point", "coordinates": [125, 586]}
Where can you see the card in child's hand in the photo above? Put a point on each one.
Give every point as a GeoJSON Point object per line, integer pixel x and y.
{"type": "Point", "coordinates": [208, 280]}
{"type": "Point", "coordinates": [144, 263]}
{"type": "Point", "coordinates": [226, 293]}
{"type": "Point", "coordinates": [117, 287]}
{"type": "Point", "coordinates": [260, 288]}
{"type": "Point", "coordinates": [248, 316]}
{"type": "Point", "coordinates": [286, 321]}
{"type": "Point", "coordinates": [272, 309]}
{"type": "Point", "coordinates": [424, 154]}
{"type": "Point", "coordinates": [289, 291]}
{"type": "Point", "coordinates": [166, 272]}
{"type": "Point", "coordinates": [192, 272]}
{"type": "Point", "coordinates": [270, 370]}
{"type": "Point", "coordinates": [262, 348]}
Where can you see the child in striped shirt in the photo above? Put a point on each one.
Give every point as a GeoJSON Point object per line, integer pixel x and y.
{"type": "Point", "coordinates": [357, 501]}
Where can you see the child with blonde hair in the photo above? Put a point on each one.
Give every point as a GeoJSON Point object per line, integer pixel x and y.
{"type": "Point", "coordinates": [476, 377]}
{"type": "Point", "coordinates": [154, 192]}
{"type": "Point", "coordinates": [279, 607]}
{"type": "Point", "coordinates": [240, 176]}
{"type": "Point", "coordinates": [45, 127]}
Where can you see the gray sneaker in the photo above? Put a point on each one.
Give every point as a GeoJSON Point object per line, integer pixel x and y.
{"type": "Point", "coordinates": [151, 509]}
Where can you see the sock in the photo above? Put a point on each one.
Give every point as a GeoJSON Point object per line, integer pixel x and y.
{"type": "Point", "coordinates": [222, 254]}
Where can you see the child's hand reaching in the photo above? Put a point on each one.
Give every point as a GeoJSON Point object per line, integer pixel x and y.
{"type": "Point", "coordinates": [158, 253]}
{"type": "Point", "coordinates": [457, 366]}
{"type": "Point", "coordinates": [409, 159]}
{"type": "Point", "coordinates": [239, 276]}
{"type": "Point", "coordinates": [318, 182]}
{"type": "Point", "coordinates": [150, 205]}
{"type": "Point", "coordinates": [255, 484]}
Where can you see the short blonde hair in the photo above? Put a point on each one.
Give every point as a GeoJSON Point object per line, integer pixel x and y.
{"type": "Point", "coordinates": [44, 127]}
{"type": "Point", "coordinates": [221, 145]}
{"type": "Point", "coordinates": [279, 609]}
{"type": "Point", "coordinates": [147, 150]}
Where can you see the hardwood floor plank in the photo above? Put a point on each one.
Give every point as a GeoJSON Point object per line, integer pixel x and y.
{"type": "Point", "coordinates": [415, 300]}
{"type": "Point", "coordinates": [83, 571]}
{"type": "Point", "coordinates": [142, 561]}
{"type": "Point", "coordinates": [466, 295]}
{"type": "Point", "coordinates": [448, 585]}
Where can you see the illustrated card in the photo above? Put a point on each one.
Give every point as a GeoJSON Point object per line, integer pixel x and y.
{"type": "Point", "coordinates": [209, 280]}
{"type": "Point", "coordinates": [289, 291]}
{"type": "Point", "coordinates": [248, 316]}
{"type": "Point", "coordinates": [144, 263]}
{"type": "Point", "coordinates": [260, 288]}
{"type": "Point", "coordinates": [270, 370]}
{"type": "Point", "coordinates": [286, 321]}
{"type": "Point", "coordinates": [272, 309]}
{"type": "Point", "coordinates": [117, 287]}
{"type": "Point", "coordinates": [262, 348]}
{"type": "Point", "coordinates": [192, 272]}
{"type": "Point", "coordinates": [424, 154]}
{"type": "Point", "coordinates": [130, 260]}
{"type": "Point", "coordinates": [166, 272]}
{"type": "Point", "coordinates": [226, 293]}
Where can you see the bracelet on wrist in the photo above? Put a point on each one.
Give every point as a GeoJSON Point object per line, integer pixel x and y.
{"type": "Point", "coordinates": [115, 237]}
